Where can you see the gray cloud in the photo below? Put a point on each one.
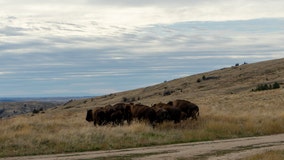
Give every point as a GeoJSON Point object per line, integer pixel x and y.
{"type": "Point", "coordinates": [135, 13]}
{"type": "Point", "coordinates": [12, 31]}
{"type": "Point", "coordinates": [138, 3]}
{"type": "Point", "coordinates": [199, 10]}
{"type": "Point", "coordinates": [75, 59]}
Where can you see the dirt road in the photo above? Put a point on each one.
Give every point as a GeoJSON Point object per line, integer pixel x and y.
{"type": "Point", "coordinates": [213, 150]}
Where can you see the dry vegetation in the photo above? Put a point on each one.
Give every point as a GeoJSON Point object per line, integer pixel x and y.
{"type": "Point", "coordinates": [228, 109]}
{"type": "Point", "coordinates": [269, 155]}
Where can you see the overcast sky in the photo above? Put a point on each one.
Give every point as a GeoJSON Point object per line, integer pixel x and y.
{"type": "Point", "coordinates": [96, 47]}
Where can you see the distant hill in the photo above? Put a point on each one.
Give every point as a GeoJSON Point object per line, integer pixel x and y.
{"type": "Point", "coordinates": [12, 106]}
{"type": "Point", "coordinates": [10, 109]}
{"type": "Point", "coordinates": [236, 79]}
{"type": "Point", "coordinates": [39, 99]}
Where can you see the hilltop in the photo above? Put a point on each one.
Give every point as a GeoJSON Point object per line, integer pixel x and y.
{"type": "Point", "coordinates": [239, 79]}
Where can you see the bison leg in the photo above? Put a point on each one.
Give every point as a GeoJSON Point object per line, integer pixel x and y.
{"type": "Point", "coordinates": [194, 115]}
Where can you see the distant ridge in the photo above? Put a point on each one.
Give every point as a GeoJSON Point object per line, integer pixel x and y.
{"type": "Point", "coordinates": [13, 106]}
{"type": "Point", "coordinates": [40, 99]}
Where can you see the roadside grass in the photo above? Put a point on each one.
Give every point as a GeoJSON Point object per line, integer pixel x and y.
{"type": "Point", "coordinates": [65, 130]}
{"type": "Point", "coordinates": [269, 155]}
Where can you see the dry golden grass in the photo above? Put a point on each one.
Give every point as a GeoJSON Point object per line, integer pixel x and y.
{"type": "Point", "coordinates": [228, 109]}
{"type": "Point", "coordinates": [269, 155]}
{"type": "Point", "coordinates": [65, 130]}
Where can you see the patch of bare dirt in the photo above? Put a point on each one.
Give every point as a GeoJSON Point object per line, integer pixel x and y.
{"type": "Point", "coordinates": [213, 150]}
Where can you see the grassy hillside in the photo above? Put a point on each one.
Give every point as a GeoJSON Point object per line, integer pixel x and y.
{"type": "Point", "coordinates": [228, 108]}
{"type": "Point", "coordinates": [222, 82]}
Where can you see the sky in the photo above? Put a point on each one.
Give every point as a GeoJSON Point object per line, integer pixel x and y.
{"type": "Point", "coordinates": [96, 47]}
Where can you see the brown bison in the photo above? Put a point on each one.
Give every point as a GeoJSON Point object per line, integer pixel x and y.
{"type": "Point", "coordinates": [115, 115]}
{"type": "Point", "coordinates": [125, 110]}
{"type": "Point", "coordinates": [161, 114]}
{"type": "Point", "coordinates": [173, 113]}
{"type": "Point", "coordinates": [112, 115]}
{"type": "Point", "coordinates": [96, 115]}
{"type": "Point", "coordinates": [190, 109]}
{"type": "Point", "coordinates": [143, 112]}
{"type": "Point", "coordinates": [89, 116]}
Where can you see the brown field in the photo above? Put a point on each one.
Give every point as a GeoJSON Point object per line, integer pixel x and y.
{"type": "Point", "coordinates": [269, 155]}
{"type": "Point", "coordinates": [228, 109]}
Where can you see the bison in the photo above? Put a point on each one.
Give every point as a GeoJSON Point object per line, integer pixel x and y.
{"type": "Point", "coordinates": [89, 116]}
{"type": "Point", "coordinates": [125, 109]}
{"type": "Point", "coordinates": [116, 114]}
{"type": "Point", "coordinates": [112, 115]}
{"type": "Point", "coordinates": [143, 112]}
{"type": "Point", "coordinates": [173, 113]}
{"type": "Point", "coordinates": [190, 109]}
{"type": "Point", "coordinates": [96, 115]}
{"type": "Point", "coordinates": [161, 114]}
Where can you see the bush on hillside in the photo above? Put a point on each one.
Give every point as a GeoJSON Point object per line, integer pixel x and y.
{"type": "Point", "coordinates": [263, 87]}
{"type": "Point", "coordinates": [129, 100]}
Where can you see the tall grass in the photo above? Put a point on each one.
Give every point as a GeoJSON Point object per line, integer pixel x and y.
{"type": "Point", "coordinates": [61, 131]}
{"type": "Point", "coordinates": [269, 155]}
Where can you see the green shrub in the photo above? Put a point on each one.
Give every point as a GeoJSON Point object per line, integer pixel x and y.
{"type": "Point", "coordinates": [263, 87]}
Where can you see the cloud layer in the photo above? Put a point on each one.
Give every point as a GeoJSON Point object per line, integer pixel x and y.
{"type": "Point", "coordinates": [134, 12]}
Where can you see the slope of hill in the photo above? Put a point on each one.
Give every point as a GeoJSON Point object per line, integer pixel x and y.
{"type": "Point", "coordinates": [228, 109]}
{"type": "Point", "coordinates": [225, 81]}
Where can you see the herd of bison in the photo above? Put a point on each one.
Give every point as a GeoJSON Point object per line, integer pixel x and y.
{"type": "Point", "coordinates": [117, 114]}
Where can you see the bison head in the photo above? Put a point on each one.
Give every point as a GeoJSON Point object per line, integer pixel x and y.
{"type": "Point", "coordinates": [89, 116]}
